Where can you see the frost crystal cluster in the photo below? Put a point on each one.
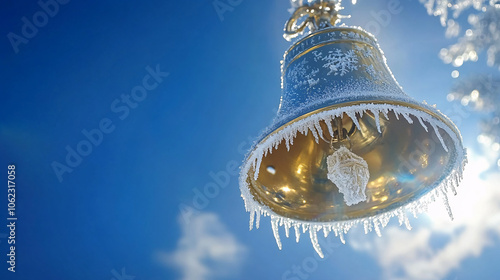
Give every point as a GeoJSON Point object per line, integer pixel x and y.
{"type": "Point", "coordinates": [339, 63]}
{"type": "Point", "coordinates": [303, 75]}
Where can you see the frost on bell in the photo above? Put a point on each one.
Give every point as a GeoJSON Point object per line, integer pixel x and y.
{"type": "Point", "coordinates": [336, 87]}
{"type": "Point", "coordinates": [349, 172]}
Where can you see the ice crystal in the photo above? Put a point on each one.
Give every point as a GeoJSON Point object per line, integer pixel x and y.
{"type": "Point", "coordinates": [317, 55]}
{"type": "Point", "coordinates": [371, 71]}
{"type": "Point", "coordinates": [340, 63]}
{"type": "Point", "coordinates": [364, 52]}
{"type": "Point", "coordinates": [301, 74]}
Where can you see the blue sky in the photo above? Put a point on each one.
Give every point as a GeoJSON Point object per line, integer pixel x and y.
{"type": "Point", "coordinates": [118, 213]}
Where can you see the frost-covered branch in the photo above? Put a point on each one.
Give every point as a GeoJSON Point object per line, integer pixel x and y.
{"type": "Point", "coordinates": [483, 34]}
{"type": "Point", "coordinates": [481, 93]}
{"type": "Point", "coordinates": [442, 8]}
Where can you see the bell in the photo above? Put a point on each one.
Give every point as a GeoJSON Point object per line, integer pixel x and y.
{"type": "Point", "coordinates": [348, 146]}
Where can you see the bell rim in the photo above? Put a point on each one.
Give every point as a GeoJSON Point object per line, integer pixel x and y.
{"type": "Point", "coordinates": [283, 121]}
{"type": "Point", "coordinates": [455, 167]}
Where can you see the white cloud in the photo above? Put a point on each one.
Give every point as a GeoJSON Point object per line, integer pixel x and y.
{"type": "Point", "coordinates": [413, 254]}
{"type": "Point", "coordinates": [205, 250]}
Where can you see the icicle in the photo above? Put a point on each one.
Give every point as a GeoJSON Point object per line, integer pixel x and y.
{"type": "Point", "coordinates": [341, 235]}
{"type": "Point", "coordinates": [326, 231]}
{"type": "Point", "coordinates": [458, 177]}
{"type": "Point", "coordinates": [385, 113]}
{"type": "Point", "coordinates": [451, 185]}
{"type": "Point", "coordinates": [304, 228]}
{"type": "Point", "coordinates": [377, 228]}
{"type": "Point", "coordinates": [422, 123]}
{"type": "Point", "coordinates": [407, 223]}
{"type": "Point", "coordinates": [297, 232]}
{"type": "Point", "coordinates": [361, 112]}
{"type": "Point", "coordinates": [287, 229]}
{"type": "Point", "coordinates": [252, 215]}
{"type": "Point", "coordinates": [376, 115]}
{"type": "Point", "coordinates": [366, 224]}
{"type": "Point", "coordinates": [396, 114]}
{"type": "Point", "coordinates": [439, 137]}
{"type": "Point", "coordinates": [274, 225]}
{"type": "Point", "coordinates": [354, 119]}
{"type": "Point", "coordinates": [293, 136]}
{"type": "Point", "coordinates": [268, 151]}
{"type": "Point", "coordinates": [401, 217]}
{"type": "Point", "coordinates": [329, 125]}
{"type": "Point", "coordinates": [274, 146]}
{"type": "Point", "coordinates": [304, 130]}
{"type": "Point", "coordinates": [314, 133]}
{"type": "Point", "coordinates": [257, 220]}
{"type": "Point", "coordinates": [257, 167]}
{"type": "Point", "coordinates": [320, 131]}
{"type": "Point", "coordinates": [384, 220]}
{"type": "Point", "coordinates": [314, 240]}
{"type": "Point", "coordinates": [407, 117]}
{"type": "Point", "coordinates": [433, 196]}
{"type": "Point", "coordinates": [447, 204]}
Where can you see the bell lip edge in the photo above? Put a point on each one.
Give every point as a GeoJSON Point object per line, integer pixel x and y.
{"type": "Point", "coordinates": [433, 112]}
{"type": "Point", "coordinates": [456, 167]}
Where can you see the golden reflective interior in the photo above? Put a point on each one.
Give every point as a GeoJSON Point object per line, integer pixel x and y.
{"type": "Point", "coordinates": [404, 161]}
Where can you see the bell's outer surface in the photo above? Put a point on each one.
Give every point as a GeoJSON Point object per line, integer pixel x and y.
{"type": "Point", "coordinates": [341, 72]}
{"type": "Point", "coordinates": [333, 66]}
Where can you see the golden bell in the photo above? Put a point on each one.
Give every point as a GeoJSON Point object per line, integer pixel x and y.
{"type": "Point", "coordinates": [340, 100]}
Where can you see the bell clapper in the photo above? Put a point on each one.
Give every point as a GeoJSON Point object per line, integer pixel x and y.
{"type": "Point", "coordinates": [348, 171]}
